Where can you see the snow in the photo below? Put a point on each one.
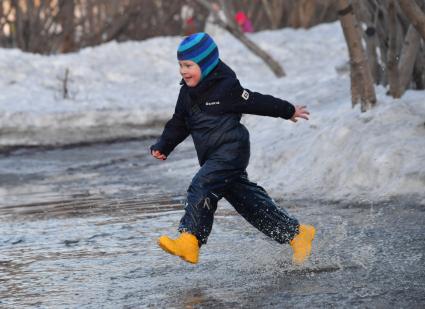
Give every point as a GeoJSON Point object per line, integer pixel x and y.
{"type": "Point", "coordinates": [122, 90]}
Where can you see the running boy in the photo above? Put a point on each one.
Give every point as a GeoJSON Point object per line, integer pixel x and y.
{"type": "Point", "coordinates": [209, 107]}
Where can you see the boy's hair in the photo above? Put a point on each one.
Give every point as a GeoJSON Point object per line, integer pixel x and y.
{"type": "Point", "coordinates": [201, 49]}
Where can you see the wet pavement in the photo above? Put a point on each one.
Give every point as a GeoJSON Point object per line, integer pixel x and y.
{"type": "Point", "coordinates": [78, 229]}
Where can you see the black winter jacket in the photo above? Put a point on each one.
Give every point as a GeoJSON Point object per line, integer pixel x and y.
{"type": "Point", "coordinates": [211, 113]}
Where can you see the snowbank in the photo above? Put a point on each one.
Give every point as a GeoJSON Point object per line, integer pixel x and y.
{"type": "Point", "coordinates": [129, 90]}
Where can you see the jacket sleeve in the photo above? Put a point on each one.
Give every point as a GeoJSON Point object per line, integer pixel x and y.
{"type": "Point", "coordinates": [175, 130]}
{"type": "Point", "coordinates": [245, 101]}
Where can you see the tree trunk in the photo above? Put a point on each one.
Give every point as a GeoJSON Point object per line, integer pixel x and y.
{"type": "Point", "coordinates": [307, 11]}
{"type": "Point", "coordinates": [274, 11]}
{"type": "Point", "coordinates": [419, 70]}
{"type": "Point", "coordinates": [18, 25]}
{"type": "Point", "coordinates": [366, 14]}
{"type": "Point", "coordinates": [415, 14]}
{"type": "Point", "coordinates": [66, 13]}
{"type": "Point", "coordinates": [235, 31]}
{"type": "Point", "coordinates": [393, 56]}
{"type": "Point", "coordinates": [383, 38]}
{"type": "Point", "coordinates": [361, 78]}
{"type": "Point", "coordinates": [371, 46]}
{"type": "Point", "coordinates": [408, 56]}
{"type": "Point", "coordinates": [3, 19]}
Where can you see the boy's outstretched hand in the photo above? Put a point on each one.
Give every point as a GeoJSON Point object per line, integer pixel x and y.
{"type": "Point", "coordinates": [157, 154]}
{"type": "Point", "coordinates": [300, 112]}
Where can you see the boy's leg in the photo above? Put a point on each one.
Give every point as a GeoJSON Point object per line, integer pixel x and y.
{"type": "Point", "coordinates": [199, 216]}
{"type": "Point", "coordinates": [196, 224]}
{"type": "Point", "coordinates": [259, 209]}
{"type": "Point", "coordinates": [203, 195]}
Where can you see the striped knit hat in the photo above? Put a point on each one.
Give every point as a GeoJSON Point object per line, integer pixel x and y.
{"type": "Point", "coordinates": [201, 49]}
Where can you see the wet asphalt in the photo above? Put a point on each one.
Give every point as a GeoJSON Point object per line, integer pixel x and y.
{"type": "Point", "coordinates": [78, 229]}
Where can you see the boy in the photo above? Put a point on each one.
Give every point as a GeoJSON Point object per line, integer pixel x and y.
{"type": "Point", "coordinates": [209, 107]}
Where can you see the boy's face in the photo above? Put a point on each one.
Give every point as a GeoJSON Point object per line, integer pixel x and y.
{"type": "Point", "coordinates": [190, 72]}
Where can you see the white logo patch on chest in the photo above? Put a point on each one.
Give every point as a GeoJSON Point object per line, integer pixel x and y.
{"type": "Point", "coordinates": [212, 103]}
{"type": "Point", "coordinates": [245, 95]}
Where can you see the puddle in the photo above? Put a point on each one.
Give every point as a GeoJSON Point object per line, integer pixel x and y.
{"type": "Point", "coordinates": [78, 229]}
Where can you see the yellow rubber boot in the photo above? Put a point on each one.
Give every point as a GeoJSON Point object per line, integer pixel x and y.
{"type": "Point", "coordinates": [185, 246]}
{"type": "Point", "coordinates": [301, 244]}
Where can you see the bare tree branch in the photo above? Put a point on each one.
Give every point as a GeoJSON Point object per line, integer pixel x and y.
{"type": "Point", "coordinates": [235, 31]}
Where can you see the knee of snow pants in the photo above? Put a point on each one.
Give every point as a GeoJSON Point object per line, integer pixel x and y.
{"type": "Point", "coordinates": [202, 196]}
{"type": "Point", "coordinates": [259, 209]}
{"type": "Point", "coordinates": [198, 218]}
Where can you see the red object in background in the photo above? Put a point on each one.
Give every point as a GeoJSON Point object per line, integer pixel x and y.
{"type": "Point", "coordinates": [190, 26]}
{"type": "Point", "coordinates": [243, 21]}
{"type": "Point", "coordinates": [240, 18]}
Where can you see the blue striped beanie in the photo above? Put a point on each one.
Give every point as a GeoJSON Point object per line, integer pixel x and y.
{"type": "Point", "coordinates": [201, 49]}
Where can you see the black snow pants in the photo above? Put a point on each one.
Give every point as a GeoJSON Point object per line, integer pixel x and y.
{"type": "Point", "coordinates": [213, 182]}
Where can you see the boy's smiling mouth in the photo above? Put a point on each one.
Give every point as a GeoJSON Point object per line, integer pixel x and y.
{"type": "Point", "coordinates": [188, 80]}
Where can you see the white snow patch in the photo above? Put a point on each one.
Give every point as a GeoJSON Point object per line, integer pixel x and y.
{"type": "Point", "coordinates": [129, 90]}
